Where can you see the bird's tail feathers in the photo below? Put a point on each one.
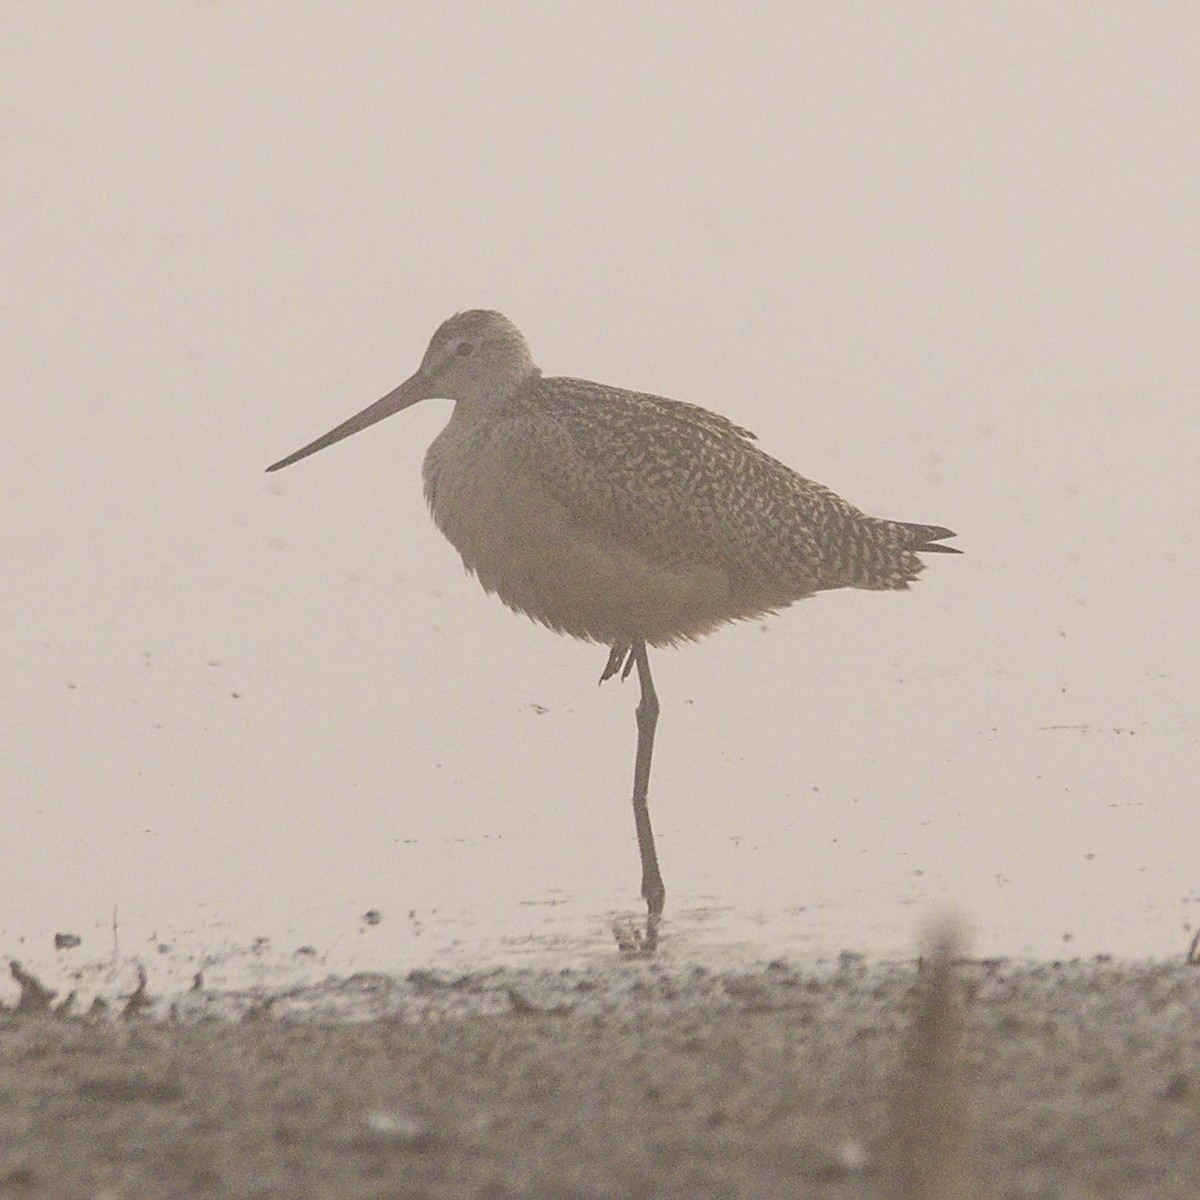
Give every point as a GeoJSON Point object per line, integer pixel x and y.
{"type": "Point", "coordinates": [927, 539]}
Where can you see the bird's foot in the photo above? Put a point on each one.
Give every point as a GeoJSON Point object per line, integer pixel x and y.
{"type": "Point", "coordinates": [633, 939]}
{"type": "Point", "coordinates": [620, 659]}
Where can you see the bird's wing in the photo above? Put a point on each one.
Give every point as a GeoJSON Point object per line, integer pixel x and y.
{"type": "Point", "coordinates": [676, 482]}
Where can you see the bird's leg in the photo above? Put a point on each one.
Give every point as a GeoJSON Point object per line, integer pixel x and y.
{"type": "Point", "coordinates": [621, 660]}
{"type": "Point", "coordinates": [653, 891]}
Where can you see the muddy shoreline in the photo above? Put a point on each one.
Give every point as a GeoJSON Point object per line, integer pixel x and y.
{"type": "Point", "coordinates": [639, 1080]}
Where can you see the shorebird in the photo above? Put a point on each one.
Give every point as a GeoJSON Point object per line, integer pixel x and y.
{"type": "Point", "coordinates": [624, 518]}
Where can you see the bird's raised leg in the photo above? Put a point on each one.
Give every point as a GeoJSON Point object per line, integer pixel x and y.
{"type": "Point", "coordinates": [620, 660]}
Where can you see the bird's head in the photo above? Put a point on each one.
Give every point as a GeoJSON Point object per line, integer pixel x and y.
{"type": "Point", "coordinates": [476, 357]}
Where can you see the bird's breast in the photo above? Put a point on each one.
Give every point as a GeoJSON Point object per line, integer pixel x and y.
{"type": "Point", "coordinates": [524, 545]}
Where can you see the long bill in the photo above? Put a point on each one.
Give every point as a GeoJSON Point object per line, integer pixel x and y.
{"type": "Point", "coordinates": [408, 393]}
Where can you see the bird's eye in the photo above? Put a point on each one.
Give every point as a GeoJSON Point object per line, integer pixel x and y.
{"type": "Point", "coordinates": [464, 348]}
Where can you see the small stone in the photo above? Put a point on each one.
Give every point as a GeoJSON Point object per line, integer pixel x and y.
{"type": "Point", "coordinates": [400, 1128]}
{"type": "Point", "coordinates": [851, 1155]}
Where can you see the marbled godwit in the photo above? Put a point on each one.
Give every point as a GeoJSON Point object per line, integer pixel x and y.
{"type": "Point", "coordinates": [624, 518]}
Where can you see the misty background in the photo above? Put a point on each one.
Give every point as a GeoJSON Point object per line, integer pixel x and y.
{"type": "Point", "coordinates": [939, 258]}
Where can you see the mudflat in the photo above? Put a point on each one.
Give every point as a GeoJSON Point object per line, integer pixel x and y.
{"type": "Point", "coordinates": [990, 1079]}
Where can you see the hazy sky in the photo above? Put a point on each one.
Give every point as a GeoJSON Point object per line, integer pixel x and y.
{"type": "Point", "coordinates": [941, 257]}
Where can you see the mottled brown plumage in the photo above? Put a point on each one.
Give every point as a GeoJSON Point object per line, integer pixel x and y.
{"type": "Point", "coordinates": [669, 490]}
{"type": "Point", "coordinates": [625, 518]}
